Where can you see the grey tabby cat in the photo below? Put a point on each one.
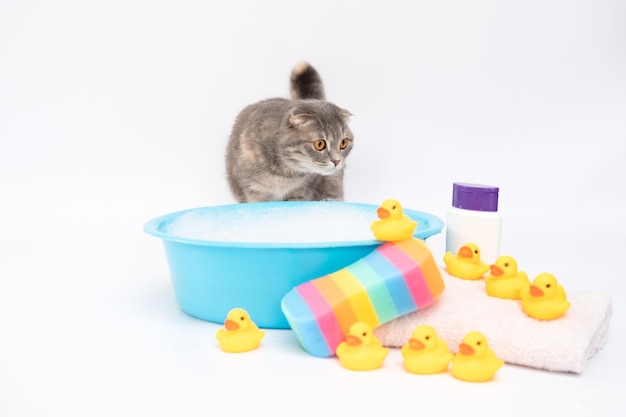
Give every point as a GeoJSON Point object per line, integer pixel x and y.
{"type": "Point", "coordinates": [282, 149]}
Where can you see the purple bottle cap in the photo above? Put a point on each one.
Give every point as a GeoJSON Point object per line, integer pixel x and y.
{"type": "Point", "coordinates": [475, 197]}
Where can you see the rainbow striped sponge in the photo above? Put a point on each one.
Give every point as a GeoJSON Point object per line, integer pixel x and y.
{"type": "Point", "coordinates": [397, 278]}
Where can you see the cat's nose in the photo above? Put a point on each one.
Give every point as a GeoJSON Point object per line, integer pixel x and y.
{"type": "Point", "coordinates": [336, 161]}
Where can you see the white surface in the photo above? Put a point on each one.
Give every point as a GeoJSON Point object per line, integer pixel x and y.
{"type": "Point", "coordinates": [114, 113]}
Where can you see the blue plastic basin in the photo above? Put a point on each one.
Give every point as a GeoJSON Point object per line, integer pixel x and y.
{"type": "Point", "coordinates": [212, 277]}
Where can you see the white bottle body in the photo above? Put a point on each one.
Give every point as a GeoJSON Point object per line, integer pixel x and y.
{"type": "Point", "coordinates": [483, 228]}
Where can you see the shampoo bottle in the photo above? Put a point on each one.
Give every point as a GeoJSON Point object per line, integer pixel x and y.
{"type": "Point", "coordinates": [474, 218]}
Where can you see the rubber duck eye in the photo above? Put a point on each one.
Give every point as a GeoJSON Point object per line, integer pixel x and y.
{"type": "Point", "coordinates": [343, 144]}
{"type": "Point", "coordinates": [427, 337]}
{"type": "Point", "coordinates": [476, 251]}
{"type": "Point", "coordinates": [478, 343]}
{"type": "Point", "coordinates": [393, 207]}
{"type": "Point", "coordinates": [242, 318]}
{"type": "Point", "coordinates": [319, 145]}
{"type": "Point", "coordinates": [506, 264]}
{"type": "Point", "coordinates": [547, 285]}
{"type": "Point", "coordinates": [364, 334]}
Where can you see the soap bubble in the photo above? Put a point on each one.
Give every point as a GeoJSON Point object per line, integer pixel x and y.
{"type": "Point", "coordinates": [298, 223]}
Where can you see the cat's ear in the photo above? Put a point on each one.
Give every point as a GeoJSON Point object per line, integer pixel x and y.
{"type": "Point", "coordinates": [299, 119]}
{"type": "Point", "coordinates": [345, 115]}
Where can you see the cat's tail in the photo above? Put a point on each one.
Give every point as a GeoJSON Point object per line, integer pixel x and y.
{"type": "Point", "coordinates": [306, 83]}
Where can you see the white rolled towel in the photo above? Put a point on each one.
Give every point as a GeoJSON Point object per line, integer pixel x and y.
{"type": "Point", "coordinates": [563, 345]}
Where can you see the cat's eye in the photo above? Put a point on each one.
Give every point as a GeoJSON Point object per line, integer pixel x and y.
{"type": "Point", "coordinates": [344, 143]}
{"type": "Point", "coordinates": [319, 145]}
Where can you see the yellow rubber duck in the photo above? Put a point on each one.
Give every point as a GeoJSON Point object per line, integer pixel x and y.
{"type": "Point", "coordinates": [425, 352]}
{"type": "Point", "coordinates": [545, 298]}
{"type": "Point", "coordinates": [466, 264]}
{"type": "Point", "coordinates": [475, 361]}
{"type": "Point", "coordinates": [393, 225]}
{"type": "Point", "coordinates": [361, 350]}
{"type": "Point", "coordinates": [505, 281]}
{"type": "Point", "coordinates": [240, 333]}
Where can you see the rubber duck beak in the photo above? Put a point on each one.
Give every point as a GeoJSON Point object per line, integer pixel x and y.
{"type": "Point", "coordinates": [496, 270]}
{"type": "Point", "coordinates": [231, 325]}
{"type": "Point", "coordinates": [382, 213]}
{"type": "Point", "coordinates": [465, 349]}
{"type": "Point", "coordinates": [353, 340]}
{"type": "Point", "coordinates": [466, 252]}
{"type": "Point", "coordinates": [535, 291]}
{"type": "Point", "coordinates": [416, 344]}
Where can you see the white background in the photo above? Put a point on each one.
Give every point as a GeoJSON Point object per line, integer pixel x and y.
{"type": "Point", "coordinates": [112, 113]}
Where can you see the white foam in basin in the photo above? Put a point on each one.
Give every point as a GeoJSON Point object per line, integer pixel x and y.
{"type": "Point", "coordinates": [302, 224]}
